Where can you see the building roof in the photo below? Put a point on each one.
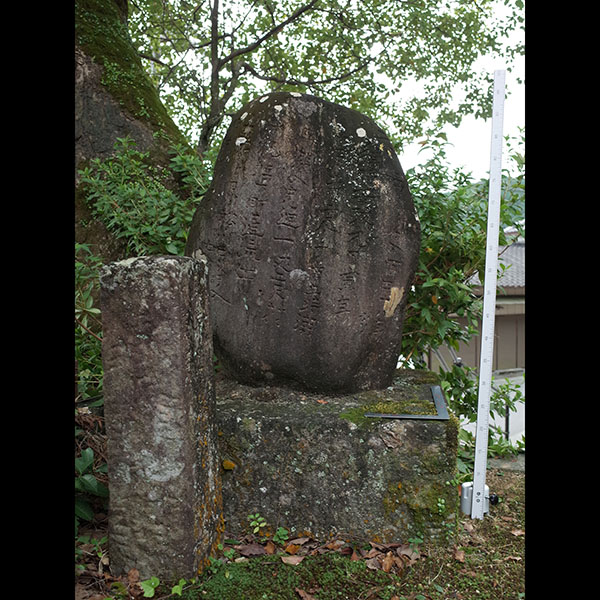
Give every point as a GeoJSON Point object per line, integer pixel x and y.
{"type": "Point", "coordinates": [513, 278]}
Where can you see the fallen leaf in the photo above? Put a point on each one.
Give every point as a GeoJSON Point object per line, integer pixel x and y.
{"type": "Point", "coordinates": [373, 564]}
{"type": "Point", "coordinates": [517, 532]}
{"type": "Point", "coordinates": [335, 544]}
{"type": "Point", "coordinates": [322, 401]}
{"type": "Point", "coordinates": [379, 547]}
{"type": "Point", "coordinates": [299, 541]}
{"type": "Point", "coordinates": [405, 550]}
{"type": "Point", "coordinates": [355, 556]}
{"type": "Point", "coordinates": [469, 526]}
{"type": "Point", "coordinates": [459, 555]}
{"type": "Point", "coordinates": [346, 551]}
{"type": "Point", "coordinates": [517, 558]}
{"type": "Point", "coordinates": [292, 548]}
{"type": "Point", "coordinates": [270, 547]}
{"type": "Point", "coordinates": [304, 595]}
{"type": "Point", "coordinates": [292, 560]}
{"type": "Point", "coordinates": [251, 549]}
{"type": "Point", "coordinates": [399, 564]}
{"type": "Point", "coordinates": [388, 562]}
{"type": "Point", "coordinates": [133, 575]}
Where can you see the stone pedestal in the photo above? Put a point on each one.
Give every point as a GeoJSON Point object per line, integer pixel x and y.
{"type": "Point", "coordinates": [315, 463]}
{"type": "Point", "coordinates": [165, 497]}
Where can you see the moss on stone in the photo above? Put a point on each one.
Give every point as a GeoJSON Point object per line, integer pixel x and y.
{"type": "Point", "coordinates": [409, 394]}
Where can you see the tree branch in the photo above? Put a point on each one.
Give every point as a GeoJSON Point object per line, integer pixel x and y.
{"type": "Point", "coordinates": [292, 81]}
{"type": "Point", "coordinates": [251, 47]}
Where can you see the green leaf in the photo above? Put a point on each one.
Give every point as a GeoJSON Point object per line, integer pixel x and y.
{"type": "Point", "coordinates": [85, 461]}
{"type": "Point", "coordinates": [88, 483]}
{"type": "Point", "coordinates": [178, 588]}
{"type": "Point", "coordinates": [149, 586]}
{"type": "Point", "coordinates": [83, 510]}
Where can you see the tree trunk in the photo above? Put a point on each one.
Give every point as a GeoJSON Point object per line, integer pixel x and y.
{"type": "Point", "coordinates": [113, 98]}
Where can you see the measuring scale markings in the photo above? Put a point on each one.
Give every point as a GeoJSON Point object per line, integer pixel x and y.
{"type": "Point", "coordinates": [489, 298]}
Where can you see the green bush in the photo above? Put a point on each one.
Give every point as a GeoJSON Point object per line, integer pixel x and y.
{"type": "Point", "coordinates": [132, 197]}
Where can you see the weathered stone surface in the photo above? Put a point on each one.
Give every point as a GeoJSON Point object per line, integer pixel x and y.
{"type": "Point", "coordinates": [313, 241]}
{"type": "Point", "coordinates": [315, 463]}
{"type": "Point", "coordinates": [165, 511]}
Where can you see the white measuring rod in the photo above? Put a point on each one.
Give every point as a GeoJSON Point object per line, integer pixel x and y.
{"type": "Point", "coordinates": [489, 300]}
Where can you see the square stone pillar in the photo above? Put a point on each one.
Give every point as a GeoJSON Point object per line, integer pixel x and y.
{"type": "Point", "coordinates": [165, 506]}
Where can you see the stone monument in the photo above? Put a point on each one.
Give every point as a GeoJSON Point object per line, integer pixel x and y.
{"type": "Point", "coordinates": [313, 241]}
{"type": "Point", "coordinates": [165, 506]}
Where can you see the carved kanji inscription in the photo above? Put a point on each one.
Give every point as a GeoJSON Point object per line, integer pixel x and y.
{"type": "Point", "coordinates": [312, 239]}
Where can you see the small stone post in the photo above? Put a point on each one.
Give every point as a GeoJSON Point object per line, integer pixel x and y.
{"type": "Point", "coordinates": [165, 506]}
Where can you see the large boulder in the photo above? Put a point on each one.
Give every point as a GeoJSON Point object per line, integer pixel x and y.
{"type": "Point", "coordinates": [313, 241]}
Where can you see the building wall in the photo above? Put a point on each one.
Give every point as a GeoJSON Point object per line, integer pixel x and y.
{"type": "Point", "coordinates": [509, 343]}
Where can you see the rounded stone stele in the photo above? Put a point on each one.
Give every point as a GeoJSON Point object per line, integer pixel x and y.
{"type": "Point", "coordinates": [312, 240]}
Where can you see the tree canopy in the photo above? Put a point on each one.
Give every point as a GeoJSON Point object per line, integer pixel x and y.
{"type": "Point", "coordinates": [208, 58]}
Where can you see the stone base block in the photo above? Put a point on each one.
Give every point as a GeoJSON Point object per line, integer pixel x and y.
{"type": "Point", "coordinates": [316, 464]}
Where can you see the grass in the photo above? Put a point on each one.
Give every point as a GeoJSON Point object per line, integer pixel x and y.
{"type": "Point", "coordinates": [482, 560]}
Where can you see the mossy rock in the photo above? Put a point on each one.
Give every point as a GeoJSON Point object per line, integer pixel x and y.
{"type": "Point", "coordinates": [315, 463]}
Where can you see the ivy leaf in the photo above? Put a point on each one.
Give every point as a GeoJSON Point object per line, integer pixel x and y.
{"type": "Point", "coordinates": [149, 586]}
{"type": "Point", "coordinates": [178, 588]}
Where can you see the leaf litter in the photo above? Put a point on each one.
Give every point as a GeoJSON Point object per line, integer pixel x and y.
{"type": "Point", "coordinates": [391, 558]}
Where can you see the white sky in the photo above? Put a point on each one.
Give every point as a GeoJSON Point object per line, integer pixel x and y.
{"type": "Point", "coordinates": [472, 140]}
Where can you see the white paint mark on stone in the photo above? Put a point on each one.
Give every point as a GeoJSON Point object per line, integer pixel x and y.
{"type": "Point", "coordinates": [295, 94]}
{"type": "Point", "coordinates": [263, 98]}
{"type": "Point", "coordinates": [240, 141]}
{"type": "Point", "coordinates": [360, 132]}
{"type": "Point", "coordinates": [278, 108]}
{"type": "Point", "coordinates": [244, 116]}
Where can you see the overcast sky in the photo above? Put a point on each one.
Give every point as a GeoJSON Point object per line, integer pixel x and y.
{"type": "Point", "coordinates": [471, 141]}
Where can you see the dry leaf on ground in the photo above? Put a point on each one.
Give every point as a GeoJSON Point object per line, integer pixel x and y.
{"type": "Point", "coordinates": [304, 595]}
{"type": "Point", "coordinates": [299, 541]}
{"type": "Point", "coordinates": [388, 562]}
{"type": "Point", "coordinates": [459, 555]}
{"type": "Point", "coordinates": [270, 547]}
{"type": "Point", "coordinates": [292, 560]}
{"type": "Point", "coordinates": [253, 549]}
{"type": "Point", "coordinates": [373, 564]}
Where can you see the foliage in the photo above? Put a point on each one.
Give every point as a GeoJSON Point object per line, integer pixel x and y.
{"type": "Point", "coordinates": [89, 546]}
{"type": "Point", "coordinates": [88, 340]}
{"type": "Point", "coordinates": [460, 385]}
{"type": "Point", "coordinates": [86, 483]}
{"type": "Point", "coordinates": [208, 59]}
{"type": "Point", "coordinates": [149, 586]}
{"type": "Point", "coordinates": [256, 522]}
{"type": "Point", "coordinates": [281, 535]}
{"type": "Point", "coordinates": [131, 196]}
{"type": "Point", "coordinates": [452, 210]}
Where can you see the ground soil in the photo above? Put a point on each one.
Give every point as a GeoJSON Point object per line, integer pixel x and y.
{"type": "Point", "coordinates": [481, 559]}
